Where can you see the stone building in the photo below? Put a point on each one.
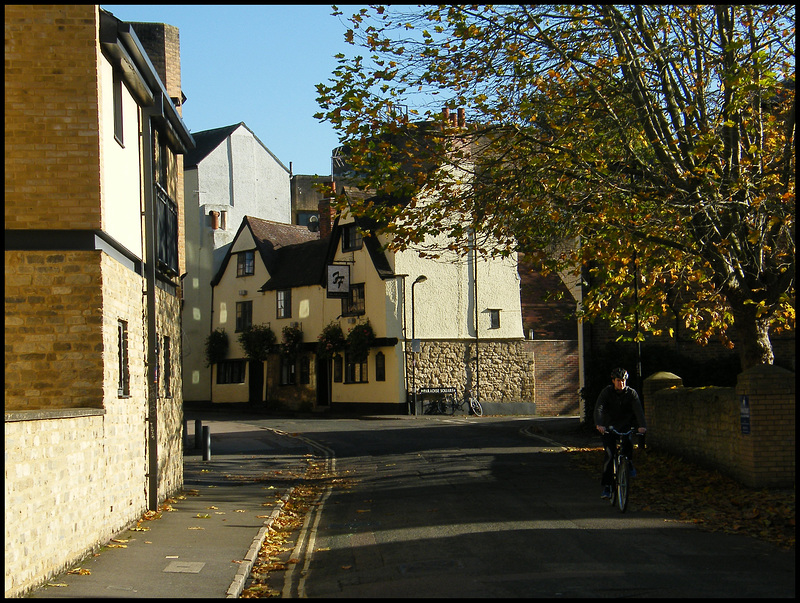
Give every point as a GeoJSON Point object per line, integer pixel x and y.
{"type": "Point", "coordinates": [94, 253]}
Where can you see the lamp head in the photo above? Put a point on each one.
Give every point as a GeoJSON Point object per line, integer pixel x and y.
{"type": "Point", "coordinates": [421, 279]}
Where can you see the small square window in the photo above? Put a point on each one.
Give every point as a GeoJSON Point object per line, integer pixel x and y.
{"type": "Point", "coordinates": [494, 319]}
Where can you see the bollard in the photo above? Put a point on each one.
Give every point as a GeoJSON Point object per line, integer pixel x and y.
{"type": "Point", "coordinates": [206, 443]}
{"type": "Point", "coordinates": [198, 434]}
{"type": "Point", "coordinates": [185, 438]}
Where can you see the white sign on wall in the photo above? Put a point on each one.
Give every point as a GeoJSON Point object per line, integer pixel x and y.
{"type": "Point", "coordinates": [338, 282]}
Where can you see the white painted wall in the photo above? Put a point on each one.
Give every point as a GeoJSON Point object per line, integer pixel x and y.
{"type": "Point", "coordinates": [242, 178]}
{"type": "Point", "coordinates": [119, 178]}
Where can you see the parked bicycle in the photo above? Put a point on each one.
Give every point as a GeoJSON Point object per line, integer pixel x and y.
{"type": "Point", "coordinates": [448, 405]}
{"type": "Point", "coordinates": [620, 489]}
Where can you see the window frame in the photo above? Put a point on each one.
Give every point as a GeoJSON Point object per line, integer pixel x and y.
{"type": "Point", "coordinates": [283, 303]}
{"type": "Point", "coordinates": [246, 263]}
{"type": "Point", "coordinates": [352, 239]}
{"type": "Point", "coordinates": [349, 305]}
{"type": "Point", "coordinates": [123, 360]}
{"type": "Point", "coordinates": [355, 372]}
{"type": "Point", "coordinates": [231, 372]}
{"type": "Point", "coordinates": [119, 123]}
{"type": "Point", "coordinates": [244, 315]}
{"type": "Point", "coordinates": [288, 371]}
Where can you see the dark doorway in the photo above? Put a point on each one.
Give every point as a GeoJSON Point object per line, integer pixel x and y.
{"type": "Point", "coordinates": [256, 381]}
{"type": "Point", "coordinates": [323, 382]}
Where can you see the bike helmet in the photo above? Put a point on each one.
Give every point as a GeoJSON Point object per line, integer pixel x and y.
{"type": "Point", "coordinates": [619, 373]}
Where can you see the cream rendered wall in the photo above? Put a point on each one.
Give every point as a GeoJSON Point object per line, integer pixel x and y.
{"type": "Point", "coordinates": [119, 178]}
{"type": "Point", "coordinates": [444, 304]}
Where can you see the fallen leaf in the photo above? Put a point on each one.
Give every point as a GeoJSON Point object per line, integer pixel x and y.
{"type": "Point", "coordinates": [203, 516]}
{"type": "Point", "coordinates": [346, 567]}
{"type": "Point", "coordinates": [80, 571]}
{"type": "Point", "coordinates": [196, 528]}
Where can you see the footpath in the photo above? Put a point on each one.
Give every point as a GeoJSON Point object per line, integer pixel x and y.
{"type": "Point", "coordinates": [205, 540]}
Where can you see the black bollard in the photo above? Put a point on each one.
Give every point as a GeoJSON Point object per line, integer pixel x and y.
{"type": "Point", "coordinates": [206, 443]}
{"type": "Point", "coordinates": [198, 434]}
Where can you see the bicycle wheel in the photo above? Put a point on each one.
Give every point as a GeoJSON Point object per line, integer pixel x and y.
{"type": "Point", "coordinates": [623, 482]}
{"type": "Point", "coordinates": [613, 498]}
{"type": "Point", "coordinates": [476, 407]}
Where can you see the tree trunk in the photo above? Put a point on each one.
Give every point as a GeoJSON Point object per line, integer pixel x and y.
{"type": "Point", "coordinates": [752, 335]}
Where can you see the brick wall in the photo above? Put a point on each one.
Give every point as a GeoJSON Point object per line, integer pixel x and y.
{"type": "Point", "coordinates": [51, 183]}
{"type": "Point", "coordinates": [704, 424]}
{"type": "Point", "coordinates": [53, 330]}
{"type": "Point", "coordinates": [557, 377]}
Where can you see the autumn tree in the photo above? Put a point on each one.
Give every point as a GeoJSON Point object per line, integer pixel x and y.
{"type": "Point", "coordinates": [602, 139]}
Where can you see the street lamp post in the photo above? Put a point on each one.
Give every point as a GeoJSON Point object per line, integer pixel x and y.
{"type": "Point", "coordinates": [420, 279]}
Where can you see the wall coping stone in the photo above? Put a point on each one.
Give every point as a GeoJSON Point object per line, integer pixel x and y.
{"type": "Point", "coordinates": [58, 413]}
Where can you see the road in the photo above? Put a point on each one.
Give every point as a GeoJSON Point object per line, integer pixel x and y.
{"type": "Point", "coordinates": [476, 507]}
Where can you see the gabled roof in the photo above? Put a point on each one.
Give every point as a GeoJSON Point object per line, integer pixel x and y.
{"type": "Point", "coordinates": [205, 142]}
{"type": "Point", "coordinates": [298, 265]}
{"type": "Point", "coordinates": [269, 237]}
{"type": "Point", "coordinates": [208, 140]}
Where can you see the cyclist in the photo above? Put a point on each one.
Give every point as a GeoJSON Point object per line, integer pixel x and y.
{"type": "Point", "coordinates": [617, 405]}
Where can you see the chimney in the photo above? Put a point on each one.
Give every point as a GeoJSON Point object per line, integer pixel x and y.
{"type": "Point", "coordinates": [461, 118]}
{"type": "Point", "coordinates": [446, 114]}
{"type": "Point", "coordinates": [324, 209]}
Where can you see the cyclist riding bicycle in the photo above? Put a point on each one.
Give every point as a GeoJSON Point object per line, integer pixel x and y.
{"type": "Point", "coordinates": [617, 405]}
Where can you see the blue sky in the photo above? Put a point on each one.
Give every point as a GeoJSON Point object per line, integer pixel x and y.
{"type": "Point", "coordinates": [256, 64]}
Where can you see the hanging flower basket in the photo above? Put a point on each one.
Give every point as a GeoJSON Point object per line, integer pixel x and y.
{"type": "Point", "coordinates": [330, 341]}
{"type": "Point", "coordinates": [292, 342]}
{"type": "Point", "coordinates": [359, 341]}
{"type": "Point", "coordinates": [216, 347]}
{"type": "Point", "coordinates": [257, 341]}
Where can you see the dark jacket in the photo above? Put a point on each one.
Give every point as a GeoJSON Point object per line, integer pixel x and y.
{"type": "Point", "coordinates": [620, 409]}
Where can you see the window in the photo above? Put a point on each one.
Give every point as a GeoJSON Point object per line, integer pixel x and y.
{"type": "Point", "coordinates": [118, 126]}
{"type": "Point", "coordinates": [230, 371]}
{"type": "Point", "coordinates": [353, 305]}
{"type": "Point", "coordinates": [494, 319]}
{"type": "Point", "coordinates": [354, 372]}
{"type": "Point", "coordinates": [351, 238]}
{"type": "Point", "coordinates": [124, 379]}
{"type": "Point", "coordinates": [245, 263]}
{"type": "Point", "coordinates": [244, 315]}
{"type": "Point", "coordinates": [337, 369]}
{"type": "Point", "coordinates": [288, 371]}
{"type": "Point", "coordinates": [380, 367]}
{"type": "Point", "coordinates": [167, 368]}
{"type": "Point", "coordinates": [305, 370]}
{"type": "Point", "coordinates": [284, 298]}
{"type": "Point", "coordinates": [167, 231]}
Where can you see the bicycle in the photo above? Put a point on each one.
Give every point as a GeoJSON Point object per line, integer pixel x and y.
{"type": "Point", "coordinates": [620, 489]}
{"type": "Point", "coordinates": [452, 403]}
{"type": "Point", "coordinates": [434, 406]}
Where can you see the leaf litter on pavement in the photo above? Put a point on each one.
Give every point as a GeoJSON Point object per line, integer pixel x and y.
{"type": "Point", "coordinates": [689, 492]}
{"type": "Point", "coordinates": [274, 557]}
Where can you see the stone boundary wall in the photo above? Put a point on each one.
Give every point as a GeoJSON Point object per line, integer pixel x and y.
{"type": "Point", "coordinates": [506, 379]}
{"type": "Point", "coordinates": [705, 424]}
{"type": "Point", "coordinates": [54, 522]}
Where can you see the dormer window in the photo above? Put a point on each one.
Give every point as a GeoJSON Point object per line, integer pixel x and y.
{"type": "Point", "coordinates": [245, 263]}
{"type": "Point", "coordinates": [351, 238]}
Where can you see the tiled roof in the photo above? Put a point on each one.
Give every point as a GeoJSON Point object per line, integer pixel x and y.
{"type": "Point", "coordinates": [298, 265]}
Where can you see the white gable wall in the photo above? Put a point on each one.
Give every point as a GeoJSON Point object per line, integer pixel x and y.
{"type": "Point", "coordinates": [240, 177]}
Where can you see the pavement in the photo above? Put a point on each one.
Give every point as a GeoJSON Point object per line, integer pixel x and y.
{"type": "Point", "coordinates": [207, 539]}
